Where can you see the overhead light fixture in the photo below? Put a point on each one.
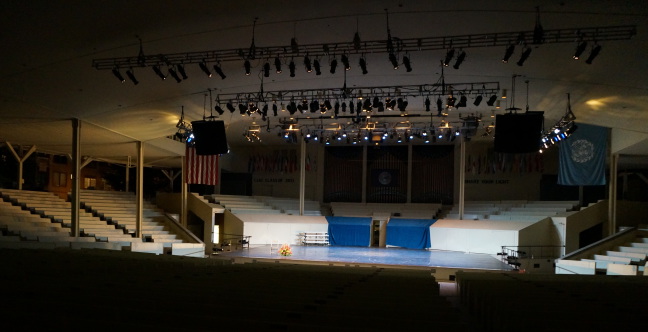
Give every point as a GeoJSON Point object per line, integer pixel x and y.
{"type": "Point", "coordinates": [219, 110]}
{"type": "Point", "coordinates": [450, 102]}
{"type": "Point", "coordinates": [277, 63]}
{"type": "Point", "coordinates": [407, 64]}
{"type": "Point", "coordinates": [509, 52]}
{"type": "Point", "coordinates": [118, 75]}
{"type": "Point", "coordinates": [491, 100]}
{"type": "Point", "coordinates": [595, 51]}
{"type": "Point", "coordinates": [159, 73]}
{"type": "Point", "coordinates": [524, 56]}
{"type": "Point", "coordinates": [291, 67]}
{"type": "Point", "coordinates": [182, 71]}
{"type": "Point", "coordinates": [363, 65]}
{"type": "Point", "coordinates": [478, 100]}
{"type": "Point", "coordinates": [448, 57]}
{"type": "Point", "coordinates": [333, 66]}
{"type": "Point", "coordinates": [174, 74]}
{"type": "Point", "coordinates": [203, 66]}
{"type": "Point", "coordinates": [247, 67]}
{"type": "Point", "coordinates": [317, 67]}
{"type": "Point", "coordinates": [462, 101]}
{"type": "Point", "coordinates": [579, 50]}
{"type": "Point", "coordinates": [345, 62]}
{"type": "Point", "coordinates": [460, 60]}
{"type": "Point", "coordinates": [131, 76]}
{"type": "Point", "coordinates": [497, 104]}
{"type": "Point", "coordinates": [230, 107]}
{"type": "Point", "coordinates": [307, 64]}
{"type": "Point", "coordinates": [219, 71]}
{"type": "Point", "coordinates": [503, 93]}
{"type": "Point", "coordinates": [393, 60]}
{"type": "Point", "coordinates": [266, 69]}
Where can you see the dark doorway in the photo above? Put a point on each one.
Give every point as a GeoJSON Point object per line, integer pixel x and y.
{"type": "Point", "coordinates": [590, 235]}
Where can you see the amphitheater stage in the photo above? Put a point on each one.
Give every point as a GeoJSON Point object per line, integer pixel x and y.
{"type": "Point", "coordinates": [443, 262]}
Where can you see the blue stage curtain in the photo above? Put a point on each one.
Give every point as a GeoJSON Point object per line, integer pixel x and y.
{"type": "Point", "coordinates": [349, 231]}
{"type": "Point", "coordinates": [409, 233]}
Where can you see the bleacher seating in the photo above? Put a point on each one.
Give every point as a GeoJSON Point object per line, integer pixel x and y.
{"type": "Point", "coordinates": [511, 210]}
{"type": "Point", "coordinates": [239, 204]}
{"type": "Point", "coordinates": [386, 210]}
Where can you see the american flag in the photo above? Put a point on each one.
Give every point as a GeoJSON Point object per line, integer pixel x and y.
{"type": "Point", "coordinates": [201, 169]}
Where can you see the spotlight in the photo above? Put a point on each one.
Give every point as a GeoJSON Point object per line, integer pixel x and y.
{"type": "Point", "coordinates": [462, 102]}
{"type": "Point", "coordinates": [266, 70]}
{"type": "Point", "coordinates": [230, 107]}
{"type": "Point", "coordinates": [450, 102]}
{"type": "Point", "coordinates": [595, 51]}
{"type": "Point", "coordinates": [242, 108]}
{"type": "Point", "coordinates": [175, 76]}
{"type": "Point", "coordinates": [291, 67]}
{"type": "Point", "coordinates": [402, 104]}
{"type": "Point", "coordinates": [219, 71]}
{"type": "Point", "coordinates": [131, 76]}
{"type": "Point", "coordinates": [478, 100]}
{"type": "Point", "coordinates": [307, 64]}
{"type": "Point", "coordinates": [247, 66]}
{"type": "Point", "coordinates": [393, 60]}
{"type": "Point", "coordinates": [274, 109]}
{"type": "Point", "coordinates": [277, 64]}
{"type": "Point", "coordinates": [525, 55]}
{"type": "Point", "coordinates": [219, 110]}
{"type": "Point", "coordinates": [508, 53]}
{"type": "Point", "coordinates": [363, 66]}
{"type": "Point", "coordinates": [503, 93]}
{"type": "Point", "coordinates": [460, 59]}
{"type": "Point", "coordinates": [317, 67]}
{"type": "Point", "coordinates": [579, 50]}
{"type": "Point", "coordinates": [157, 71]}
{"type": "Point", "coordinates": [406, 63]}
{"type": "Point", "coordinates": [203, 66]}
{"type": "Point", "coordinates": [182, 71]}
{"type": "Point", "coordinates": [333, 66]}
{"type": "Point", "coordinates": [439, 104]}
{"type": "Point", "coordinates": [448, 57]}
{"type": "Point", "coordinates": [427, 104]}
{"type": "Point", "coordinates": [118, 75]}
{"type": "Point", "coordinates": [491, 100]}
{"type": "Point", "coordinates": [345, 62]}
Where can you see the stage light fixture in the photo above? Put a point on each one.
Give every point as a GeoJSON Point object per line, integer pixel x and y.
{"type": "Point", "coordinates": [427, 104]}
{"type": "Point", "coordinates": [393, 60]}
{"type": "Point", "coordinates": [230, 107]}
{"type": "Point", "coordinates": [450, 102]}
{"type": "Point", "coordinates": [524, 56]}
{"type": "Point", "coordinates": [462, 101]}
{"type": "Point", "coordinates": [307, 64]}
{"type": "Point", "coordinates": [579, 50]}
{"type": "Point", "coordinates": [174, 74]}
{"type": "Point", "coordinates": [345, 62]}
{"type": "Point", "coordinates": [503, 93]}
{"type": "Point", "coordinates": [491, 100]}
{"type": "Point", "coordinates": [182, 71]}
{"type": "Point", "coordinates": [448, 57]}
{"type": "Point", "coordinates": [158, 72]}
{"type": "Point", "coordinates": [439, 104]}
{"type": "Point", "coordinates": [509, 52]}
{"type": "Point", "coordinates": [478, 100]}
{"type": "Point", "coordinates": [316, 65]}
{"type": "Point", "coordinates": [118, 75]}
{"type": "Point", "coordinates": [407, 64]}
{"type": "Point", "coordinates": [247, 67]}
{"type": "Point", "coordinates": [277, 64]}
{"type": "Point", "coordinates": [363, 66]}
{"type": "Point", "coordinates": [266, 69]}
{"type": "Point", "coordinates": [595, 51]}
{"type": "Point", "coordinates": [131, 76]}
{"type": "Point", "coordinates": [219, 110]}
{"type": "Point", "coordinates": [333, 66]}
{"type": "Point", "coordinates": [460, 60]}
{"type": "Point", "coordinates": [203, 66]}
{"type": "Point", "coordinates": [291, 67]}
{"type": "Point", "coordinates": [219, 71]}
{"type": "Point", "coordinates": [275, 109]}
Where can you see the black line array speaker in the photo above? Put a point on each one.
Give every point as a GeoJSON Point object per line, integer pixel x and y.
{"type": "Point", "coordinates": [209, 137]}
{"type": "Point", "coordinates": [518, 133]}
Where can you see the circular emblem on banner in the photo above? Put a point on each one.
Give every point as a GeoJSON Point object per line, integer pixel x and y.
{"type": "Point", "coordinates": [384, 178]}
{"type": "Point", "coordinates": [582, 151]}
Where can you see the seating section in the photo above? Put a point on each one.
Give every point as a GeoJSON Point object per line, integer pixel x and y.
{"type": "Point", "coordinates": [512, 210]}
{"type": "Point", "coordinates": [382, 211]}
{"type": "Point", "coordinates": [179, 293]}
{"type": "Point", "coordinates": [540, 302]}
{"type": "Point", "coordinates": [264, 205]}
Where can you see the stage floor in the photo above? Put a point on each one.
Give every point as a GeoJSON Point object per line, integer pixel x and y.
{"type": "Point", "coordinates": [375, 256]}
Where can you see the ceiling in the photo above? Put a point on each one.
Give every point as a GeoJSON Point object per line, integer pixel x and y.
{"type": "Point", "coordinates": [47, 78]}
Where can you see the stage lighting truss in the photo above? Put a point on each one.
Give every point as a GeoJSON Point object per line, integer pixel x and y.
{"type": "Point", "coordinates": [392, 46]}
{"type": "Point", "coordinates": [185, 131]}
{"type": "Point", "coordinates": [561, 130]}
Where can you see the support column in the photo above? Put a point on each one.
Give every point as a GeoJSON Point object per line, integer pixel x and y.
{"type": "Point", "coordinates": [302, 177]}
{"type": "Point", "coordinates": [364, 174]}
{"type": "Point", "coordinates": [21, 161]}
{"type": "Point", "coordinates": [409, 173]}
{"type": "Point", "coordinates": [139, 190]}
{"type": "Point", "coordinates": [612, 200]}
{"type": "Point", "coordinates": [128, 164]}
{"type": "Point", "coordinates": [183, 193]}
{"type": "Point", "coordinates": [462, 176]}
{"type": "Point", "coordinates": [76, 173]}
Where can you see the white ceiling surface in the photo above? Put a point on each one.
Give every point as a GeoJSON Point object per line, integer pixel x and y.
{"type": "Point", "coordinates": [46, 77]}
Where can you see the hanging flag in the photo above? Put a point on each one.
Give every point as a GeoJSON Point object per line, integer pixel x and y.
{"type": "Point", "coordinates": [582, 157]}
{"type": "Point", "coordinates": [201, 169]}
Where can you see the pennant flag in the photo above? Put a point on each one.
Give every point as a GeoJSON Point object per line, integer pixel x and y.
{"type": "Point", "coordinates": [582, 157]}
{"type": "Point", "coordinates": [201, 169]}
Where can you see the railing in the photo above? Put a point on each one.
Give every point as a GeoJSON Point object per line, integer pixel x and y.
{"type": "Point", "coordinates": [511, 254]}
{"type": "Point", "coordinates": [234, 241]}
